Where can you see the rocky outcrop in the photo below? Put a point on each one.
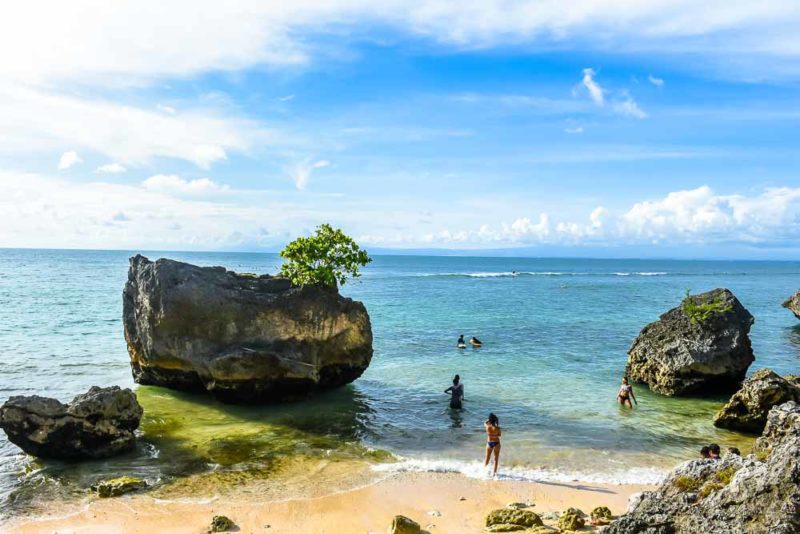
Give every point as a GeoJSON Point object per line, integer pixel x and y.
{"type": "Point", "coordinates": [221, 523]}
{"type": "Point", "coordinates": [747, 409]}
{"type": "Point", "coordinates": [701, 346]}
{"type": "Point", "coordinates": [793, 304]}
{"type": "Point", "coordinates": [96, 424]}
{"type": "Point", "coordinates": [118, 486]}
{"type": "Point", "coordinates": [241, 337]}
{"type": "Point", "coordinates": [403, 525]}
{"type": "Point", "coordinates": [757, 494]}
{"type": "Point", "coordinates": [509, 520]}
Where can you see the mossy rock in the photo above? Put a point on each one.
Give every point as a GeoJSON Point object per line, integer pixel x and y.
{"type": "Point", "coordinates": [509, 516]}
{"type": "Point", "coordinates": [601, 512]}
{"type": "Point", "coordinates": [506, 527]}
{"type": "Point", "coordinates": [684, 483]}
{"type": "Point", "coordinates": [220, 523]}
{"type": "Point", "coordinates": [118, 486]}
{"type": "Point", "coordinates": [571, 520]}
{"type": "Point", "coordinates": [403, 525]}
{"type": "Point", "coordinates": [709, 488]}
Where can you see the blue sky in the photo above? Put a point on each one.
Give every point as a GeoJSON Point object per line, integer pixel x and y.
{"type": "Point", "coordinates": [611, 128]}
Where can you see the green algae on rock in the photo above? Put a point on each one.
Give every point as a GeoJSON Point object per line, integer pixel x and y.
{"type": "Point", "coordinates": [221, 523]}
{"type": "Point", "coordinates": [521, 519]}
{"type": "Point", "coordinates": [403, 525]}
{"type": "Point", "coordinates": [119, 486]}
{"type": "Point", "coordinates": [571, 519]}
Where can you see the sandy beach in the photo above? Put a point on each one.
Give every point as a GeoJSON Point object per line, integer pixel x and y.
{"type": "Point", "coordinates": [439, 502]}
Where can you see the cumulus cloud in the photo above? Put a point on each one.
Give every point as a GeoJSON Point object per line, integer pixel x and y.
{"type": "Point", "coordinates": [68, 159]}
{"type": "Point", "coordinates": [171, 183]}
{"type": "Point", "coordinates": [301, 173]}
{"type": "Point", "coordinates": [110, 168]}
{"type": "Point", "coordinates": [658, 82]}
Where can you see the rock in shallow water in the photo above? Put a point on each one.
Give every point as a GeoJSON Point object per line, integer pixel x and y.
{"type": "Point", "coordinates": [119, 486]}
{"type": "Point", "coordinates": [96, 424]}
{"type": "Point", "coordinates": [241, 337]}
{"type": "Point", "coordinates": [732, 495]}
{"type": "Point", "coordinates": [793, 304]}
{"type": "Point", "coordinates": [748, 408]}
{"type": "Point", "coordinates": [684, 353]}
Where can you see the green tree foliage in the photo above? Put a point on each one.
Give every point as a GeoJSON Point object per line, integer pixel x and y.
{"type": "Point", "coordinates": [329, 257]}
{"type": "Point", "coordinates": [701, 312]}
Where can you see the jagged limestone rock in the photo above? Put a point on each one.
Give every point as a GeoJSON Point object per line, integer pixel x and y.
{"type": "Point", "coordinates": [747, 409]}
{"type": "Point", "coordinates": [96, 424]}
{"type": "Point", "coordinates": [243, 338]}
{"type": "Point", "coordinates": [694, 354]}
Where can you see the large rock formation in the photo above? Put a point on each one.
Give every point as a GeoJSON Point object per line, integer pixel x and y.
{"type": "Point", "coordinates": [241, 337]}
{"type": "Point", "coordinates": [793, 304]}
{"type": "Point", "coordinates": [96, 424]}
{"type": "Point", "coordinates": [701, 346]}
{"type": "Point", "coordinates": [754, 495]}
{"type": "Point", "coordinates": [748, 408]}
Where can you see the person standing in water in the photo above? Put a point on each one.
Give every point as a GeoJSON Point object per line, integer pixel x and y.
{"type": "Point", "coordinates": [492, 426]}
{"type": "Point", "coordinates": [456, 392]}
{"type": "Point", "coordinates": [626, 393]}
{"type": "Point", "coordinates": [461, 344]}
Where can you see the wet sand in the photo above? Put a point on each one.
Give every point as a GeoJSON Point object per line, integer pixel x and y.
{"type": "Point", "coordinates": [440, 502]}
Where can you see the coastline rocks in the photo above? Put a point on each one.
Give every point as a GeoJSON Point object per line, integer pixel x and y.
{"type": "Point", "coordinates": [118, 486]}
{"type": "Point", "coordinates": [403, 525]}
{"type": "Point", "coordinates": [571, 519]}
{"type": "Point", "coordinates": [747, 409]}
{"type": "Point", "coordinates": [733, 494]}
{"type": "Point", "coordinates": [96, 424]}
{"type": "Point", "coordinates": [240, 337]}
{"type": "Point", "coordinates": [221, 523]}
{"type": "Point", "coordinates": [694, 352]}
{"type": "Point", "coordinates": [509, 520]}
{"type": "Point", "coordinates": [793, 304]}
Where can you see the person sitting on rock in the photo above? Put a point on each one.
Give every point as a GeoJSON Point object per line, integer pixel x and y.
{"type": "Point", "coordinates": [704, 452]}
{"type": "Point", "coordinates": [456, 392]}
{"type": "Point", "coordinates": [475, 342]}
{"type": "Point", "coordinates": [735, 451]}
{"type": "Point", "coordinates": [626, 393]}
{"type": "Point", "coordinates": [461, 344]}
{"type": "Point", "coordinates": [713, 451]}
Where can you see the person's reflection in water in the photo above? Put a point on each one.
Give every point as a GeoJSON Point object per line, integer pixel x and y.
{"type": "Point", "coordinates": [457, 421]}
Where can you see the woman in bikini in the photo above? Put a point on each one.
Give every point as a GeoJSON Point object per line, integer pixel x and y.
{"type": "Point", "coordinates": [626, 393]}
{"type": "Point", "coordinates": [492, 426]}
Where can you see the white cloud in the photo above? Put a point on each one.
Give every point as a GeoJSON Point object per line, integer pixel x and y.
{"type": "Point", "coordinates": [110, 168]}
{"type": "Point", "coordinates": [286, 98]}
{"type": "Point", "coordinates": [658, 82]}
{"type": "Point", "coordinates": [169, 110]}
{"type": "Point", "coordinates": [170, 183]}
{"type": "Point", "coordinates": [301, 173]}
{"type": "Point", "coordinates": [34, 120]}
{"type": "Point", "coordinates": [594, 89]}
{"type": "Point", "coordinates": [628, 107]}
{"type": "Point", "coordinates": [577, 130]}
{"type": "Point", "coordinates": [69, 159]}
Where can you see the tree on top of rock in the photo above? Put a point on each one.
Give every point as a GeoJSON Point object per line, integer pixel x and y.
{"type": "Point", "coordinates": [327, 258]}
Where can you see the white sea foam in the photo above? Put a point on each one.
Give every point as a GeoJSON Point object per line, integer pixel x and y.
{"type": "Point", "coordinates": [633, 475]}
{"type": "Point", "coordinates": [510, 274]}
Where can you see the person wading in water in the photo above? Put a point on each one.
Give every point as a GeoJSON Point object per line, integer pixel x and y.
{"type": "Point", "coordinates": [456, 392]}
{"type": "Point", "coordinates": [492, 426]}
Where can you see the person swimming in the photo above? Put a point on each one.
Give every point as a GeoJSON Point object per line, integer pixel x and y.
{"type": "Point", "coordinates": [492, 426]}
{"type": "Point", "coordinates": [461, 344]}
{"type": "Point", "coordinates": [475, 342]}
{"type": "Point", "coordinates": [456, 392]}
{"type": "Point", "coordinates": [626, 393]}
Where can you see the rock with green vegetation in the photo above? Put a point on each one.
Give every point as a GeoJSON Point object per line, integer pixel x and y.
{"type": "Point", "coordinates": [403, 525]}
{"type": "Point", "coordinates": [221, 523]}
{"type": "Point", "coordinates": [695, 352]}
{"type": "Point", "coordinates": [571, 519]}
{"type": "Point", "coordinates": [731, 495]}
{"type": "Point", "coordinates": [793, 304]}
{"type": "Point", "coordinates": [601, 515]}
{"type": "Point", "coordinates": [97, 424]}
{"type": "Point", "coordinates": [747, 409]}
{"type": "Point", "coordinates": [119, 486]}
{"type": "Point", "coordinates": [510, 519]}
{"type": "Point", "coordinates": [241, 338]}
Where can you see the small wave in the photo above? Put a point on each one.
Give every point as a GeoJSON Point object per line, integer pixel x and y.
{"type": "Point", "coordinates": [633, 475]}
{"type": "Point", "coordinates": [512, 274]}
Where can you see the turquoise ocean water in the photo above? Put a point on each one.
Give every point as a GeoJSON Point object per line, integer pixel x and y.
{"type": "Point", "coordinates": [555, 339]}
